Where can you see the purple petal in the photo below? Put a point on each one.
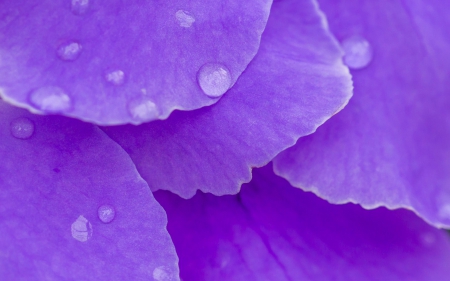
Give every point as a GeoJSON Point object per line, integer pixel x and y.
{"type": "Point", "coordinates": [272, 231]}
{"type": "Point", "coordinates": [73, 206]}
{"type": "Point", "coordinates": [116, 62]}
{"type": "Point", "coordinates": [294, 84]}
{"type": "Point", "coordinates": [391, 145]}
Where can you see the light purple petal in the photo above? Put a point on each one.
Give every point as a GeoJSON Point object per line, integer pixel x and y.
{"type": "Point", "coordinates": [391, 145]}
{"type": "Point", "coordinates": [273, 231]}
{"type": "Point", "coordinates": [73, 206]}
{"type": "Point", "coordinates": [116, 62]}
{"type": "Point", "coordinates": [294, 84]}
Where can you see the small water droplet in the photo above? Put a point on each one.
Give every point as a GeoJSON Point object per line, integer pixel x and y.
{"type": "Point", "coordinates": [160, 274]}
{"type": "Point", "coordinates": [22, 128]}
{"type": "Point", "coordinates": [106, 213]}
{"type": "Point", "coordinates": [428, 238]}
{"type": "Point", "coordinates": [358, 52]}
{"type": "Point", "coordinates": [116, 77]}
{"type": "Point", "coordinates": [69, 51]}
{"type": "Point", "coordinates": [51, 99]}
{"type": "Point", "coordinates": [214, 79]}
{"type": "Point", "coordinates": [142, 109]}
{"type": "Point", "coordinates": [80, 7]}
{"type": "Point", "coordinates": [185, 19]}
{"type": "Point", "coordinates": [444, 211]}
{"type": "Point", "coordinates": [81, 229]}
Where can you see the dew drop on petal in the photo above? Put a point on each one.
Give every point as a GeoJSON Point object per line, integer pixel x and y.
{"type": "Point", "coordinates": [214, 79]}
{"type": "Point", "coordinates": [116, 77]}
{"type": "Point", "coordinates": [80, 7]}
{"type": "Point", "coordinates": [184, 18]}
{"type": "Point", "coordinates": [358, 52]}
{"type": "Point", "coordinates": [69, 51]}
{"type": "Point", "coordinates": [22, 128]}
{"type": "Point", "coordinates": [142, 109]}
{"type": "Point", "coordinates": [81, 229]}
{"type": "Point", "coordinates": [51, 99]}
{"type": "Point", "coordinates": [106, 213]}
{"type": "Point", "coordinates": [160, 274]}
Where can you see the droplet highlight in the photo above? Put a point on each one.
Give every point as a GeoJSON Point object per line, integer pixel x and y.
{"type": "Point", "coordinates": [22, 128]}
{"type": "Point", "coordinates": [184, 18]}
{"type": "Point", "coordinates": [80, 7]}
{"type": "Point", "coordinates": [51, 99]}
{"type": "Point", "coordinates": [142, 109]}
{"type": "Point", "coordinates": [106, 213]}
{"type": "Point", "coordinates": [116, 77]}
{"type": "Point", "coordinates": [69, 51]}
{"type": "Point", "coordinates": [214, 79]}
{"type": "Point", "coordinates": [358, 52]}
{"type": "Point", "coordinates": [81, 229]}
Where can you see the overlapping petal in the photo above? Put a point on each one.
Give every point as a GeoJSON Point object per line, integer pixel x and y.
{"type": "Point", "coordinates": [295, 83]}
{"type": "Point", "coordinates": [116, 62]}
{"type": "Point", "coordinates": [391, 145]}
{"type": "Point", "coordinates": [273, 231]}
{"type": "Point", "coordinates": [73, 207]}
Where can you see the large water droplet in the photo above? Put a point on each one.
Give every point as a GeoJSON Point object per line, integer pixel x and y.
{"type": "Point", "coordinates": [116, 77]}
{"type": "Point", "coordinates": [358, 52]}
{"type": "Point", "coordinates": [106, 213]}
{"type": "Point", "coordinates": [22, 128]}
{"type": "Point", "coordinates": [184, 18]}
{"type": "Point", "coordinates": [214, 79]}
{"type": "Point", "coordinates": [81, 229]}
{"type": "Point", "coordinates": [69, 51]}
{"type": "Point", "coordinates": [51, 99]}
{"type": "Point", "coordinates": [80, 7]}
{"type": "Point", "coordinates": [142, 109]}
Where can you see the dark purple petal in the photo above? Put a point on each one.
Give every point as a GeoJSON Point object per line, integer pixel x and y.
{"type": "Point", "coordinates": [73, 206]}
{"type": "Point", "coordinates": [272, 231]}
{"type": "Point", "coordinates": [294, 84]}
{"type": "Point", "coordinates": [115, 62]}
{"type": "Point", "coordinates": [391, 145]}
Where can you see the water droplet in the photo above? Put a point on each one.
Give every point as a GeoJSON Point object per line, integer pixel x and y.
{"type": "Point", "coordinates": [116, 77]}
{"type": "Point", "coordinates": [142, 109]}
{"type": "Point", "coordinates": [428, 238]}
{"type": "Point", "coordinates": [80, 7]}
{"type": "Point", "coordinates": [214, 79]}
{"type": "Point", "coordinates": [51, 99]}
{"type": "Point", "coordinates": [81, 229]}
{"type": "Point", "coordinates": [22, 128]}
{"type": "Point", "coordinates": [358, 52]}
{"type": "Point", "coordinates": [69, 51]}
{"type": "Point", "coordinates": [106, 213]}
{"type": "Point", "coordinates": [160, 274]}
{"type": "Point", "coordinates": [444, 211]}
{"type": "Point", "coordinates": [185, 19]}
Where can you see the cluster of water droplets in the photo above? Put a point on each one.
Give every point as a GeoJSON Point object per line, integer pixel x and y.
{"type": "Point", "coordinates": [69, 51]}
{"type": "Point", "coordinates": [51, 99]}
{"type": "Point", "coordinates": [358, 52]}
{"type": "Point", "coordinates": [142, 109]}
{"type": "Point", "coordinates": [22, 128]}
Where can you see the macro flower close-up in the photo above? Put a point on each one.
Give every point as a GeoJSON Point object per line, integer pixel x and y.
{"type": "Point", "coordinates": [224, 140]}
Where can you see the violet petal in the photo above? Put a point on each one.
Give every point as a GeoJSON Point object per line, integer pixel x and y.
{"type": "Point", "coordinates": [294, 84]}
{"type": "Point", "coordinates": [272, 231]}
{"type": "Point", "coordinates": [123, 62]}
{"type": "Point", "coordinates": [73, 206]}
{"type": "Point", "coordinates": [391, 145]}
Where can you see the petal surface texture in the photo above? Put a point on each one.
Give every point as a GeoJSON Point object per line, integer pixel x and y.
{"type": "Point", "coordinates": [73, 206]}
{"type": "Point", "coordinates": [294, 84]}
{"type": "Point", "coordinates": [391, 145]}
{"type": "Point", "coordinates": [273, 231]}
{"type": "Point", "coordinates": [115, 62]}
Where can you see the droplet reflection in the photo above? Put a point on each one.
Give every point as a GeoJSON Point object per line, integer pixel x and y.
{"type": "Point", "coordinates": [51, 99]}
{"type": "Point", "coordinates": [81, 229]}
{"type": "Point", "coordinates": [184, 18]}
{"type": "Point", "coordinates": [69, 51]}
